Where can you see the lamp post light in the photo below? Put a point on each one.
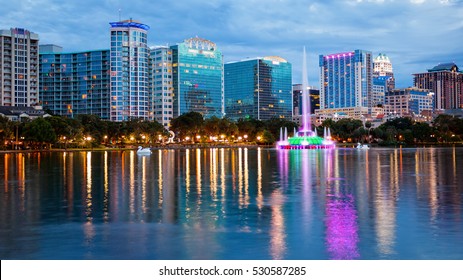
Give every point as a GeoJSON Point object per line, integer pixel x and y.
{"type": "Point", "coordinates": [245, 137]}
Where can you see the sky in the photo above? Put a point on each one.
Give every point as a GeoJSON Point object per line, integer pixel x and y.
{"type": "Point", "coordinates": [415, 34]}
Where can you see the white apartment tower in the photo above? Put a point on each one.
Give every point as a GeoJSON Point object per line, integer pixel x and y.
{"type": "Point", "coordinates": [19, 62]}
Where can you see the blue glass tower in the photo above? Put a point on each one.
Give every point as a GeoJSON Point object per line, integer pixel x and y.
{"type": "Point", "coordinates": [345, 79]}
{"type": "Point", "coordinates": [74, 83]}
{"type": "Point", "coordinates": [129, 71]}
{"type": "Point", "coordinates": [197, 67]}
{"type": "Point", "coordinates": [258, 88]}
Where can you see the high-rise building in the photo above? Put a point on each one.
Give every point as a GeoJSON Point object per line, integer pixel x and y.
{"type": "Point", "coordinates": [74, 83]}
{"type": "Point", "coordinates": [314, 95]}
{"type": "Point", "coordinates": [129, 71]}
{"type": "Point", "coordinates": [409, 101]}
{"type": "Point", "coordinates": [19, 85]}
{"type": "Point", "coordinates": [297, 99]}
{"type": "Point", "coordinates": [379, 89]}
{"type": "Point", "coordinates": [197, 66]}
{"type": "Point", "coordinates": [346, 80]}
{"type": "Point", "coordinates": [258, 88]}
{"type": "Point", "coordinates": [382, 67]}
{"type": "Point", "coordinates": [161, 104]}
{"type": "Point", "coordinates": [446, 81]}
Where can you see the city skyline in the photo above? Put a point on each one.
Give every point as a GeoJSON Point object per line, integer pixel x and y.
{"type": "Point", "coordinates": [409, 32]}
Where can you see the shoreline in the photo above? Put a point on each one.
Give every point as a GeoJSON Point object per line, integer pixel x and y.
{"type": "Point", "coordinates": [134, 148]}
{"type": "Point", "coordinates": [208, 146]}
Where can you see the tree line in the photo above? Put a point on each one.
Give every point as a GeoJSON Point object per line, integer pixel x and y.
{"type": "Point", "coordinates": [399, 131]}
{"type": "Point", "coordinates": [87, 131]}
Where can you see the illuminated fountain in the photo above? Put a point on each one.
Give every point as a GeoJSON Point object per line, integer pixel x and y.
{"type": "Point", "coordinates": [305, 138]}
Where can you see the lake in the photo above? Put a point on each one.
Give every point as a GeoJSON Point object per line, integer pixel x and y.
{"type": "Point", "coordinates": [233, 203]}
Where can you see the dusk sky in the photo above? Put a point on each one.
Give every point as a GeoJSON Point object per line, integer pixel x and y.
{"type": "Point", "coordinates": [415, 34]}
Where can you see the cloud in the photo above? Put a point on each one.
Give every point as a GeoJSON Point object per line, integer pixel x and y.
{"type": "Point", "coordinates": [415, 34]}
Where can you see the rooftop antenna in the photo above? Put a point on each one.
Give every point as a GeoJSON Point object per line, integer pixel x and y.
{"type": "Point", "coordinates": [119, 14]}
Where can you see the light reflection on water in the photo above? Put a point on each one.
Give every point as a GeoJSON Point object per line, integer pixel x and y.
{"type": "Point", "coordinates": [240, 203]}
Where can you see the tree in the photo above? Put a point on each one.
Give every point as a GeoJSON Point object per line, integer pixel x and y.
{"type": "Point", "coordinates": [421, 131]}
{"type": "Point", "coordinates": [344, 128]}
{"type": "Point", "coordinates": [40, 131]}
{"type": "Point", "coordinates": [6, 130]}
{"type": "Point", "coordinates": [93, 127]}
{"type": "Point", "coordinates": [274, 124]}
{"type": "Point", "coordinates": [188, 124]}
{"type": "Point", "coordinates": [265, 137]}
{"type": "Point", "coordinates": [249, 127]}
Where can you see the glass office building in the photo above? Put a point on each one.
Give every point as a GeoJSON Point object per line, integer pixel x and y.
{"type": "Point", "coordinates": [259, 88]}
{"type": "Point", "coordinates": [345, 79]}
{"type": "Point", "coordinates": [197, 66]}
{"type": "Point", "coordinates": [74, 83]}
{"type": "Point", "coordinates": [161, 99]}
{"type": "Point", "coordinates": [129, 71]}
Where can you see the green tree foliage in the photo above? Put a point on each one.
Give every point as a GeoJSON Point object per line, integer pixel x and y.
{"type": "Point", "coordinates": [92, 127]}
{"type": "Point", "coordinates": [274, 124]}
{"type": "Point", "coordinates": [448, 128]}
{"type": "Point", "coordinates": [7, 128]}
{"type": "Point", "coordinates": [344, 129]}
{"type": "Point", "coordinates": [421, 132]}
{"type": "Point", "coordinates": [249, 127]}
{"type": "Point", "coordinates": [39, 132]}
{"type": "Point", "coordinates": [188, 124]}
{"type": "Point", "coordinates": [266, 137]}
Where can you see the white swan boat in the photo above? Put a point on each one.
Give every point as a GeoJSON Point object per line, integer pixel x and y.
{"type": "Point", "coordinates": [143, 151]}
{"type": "Point", "coordinates": [362, 146]}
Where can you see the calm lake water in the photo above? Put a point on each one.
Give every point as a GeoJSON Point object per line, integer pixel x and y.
{"type": "Point", "coordinates": [238, 203]}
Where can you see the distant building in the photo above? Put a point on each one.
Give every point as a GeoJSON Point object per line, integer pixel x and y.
{"type": "Point", "coordinates": [197, 72]}
{"type": "Point", "coordinates": [409, 102]}
{"type": "Point", "coordinates": [75, 83]}
{"type": "Point", "coordinates": [19, 85]}
{"type": "Point", "coordinates": [297, 99]}
{"type": "Point", "coordinates": [161, 85]}
{"type": "Point", "coordinates": [380, 87]}
{"type": "Point", "coordinates": [258, 88]}
{"type": "Point", "coordinates": [382, 67]}
{"type": "Point", "coordinates": [446, 81]}
{"type": "Point", "coordinates": [337, 113]}
{"type": "Point", "coordinates": [129, 56]}
{"type": "Point", "coordinates": [346, 81]}
{"type": "Point", "coordinates": [22, 113]}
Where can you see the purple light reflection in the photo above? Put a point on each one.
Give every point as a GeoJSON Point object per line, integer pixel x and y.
{"type": "Point", "coordinates": [341, 228]}
{"type": "Point", "coordinates": [340, 216]}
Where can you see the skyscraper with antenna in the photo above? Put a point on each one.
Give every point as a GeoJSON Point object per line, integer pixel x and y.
{"type": "Point", "coordinates": [129, 70]}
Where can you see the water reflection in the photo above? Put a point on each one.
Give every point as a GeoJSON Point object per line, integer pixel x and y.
{"type": "Point", "coordinates": [341, 214]}
{"type": "Point", "coordinates": [233, 203]}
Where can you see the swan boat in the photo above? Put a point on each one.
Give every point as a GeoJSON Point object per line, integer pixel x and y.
{"type": "Point", "coordinates": [143, 151]}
